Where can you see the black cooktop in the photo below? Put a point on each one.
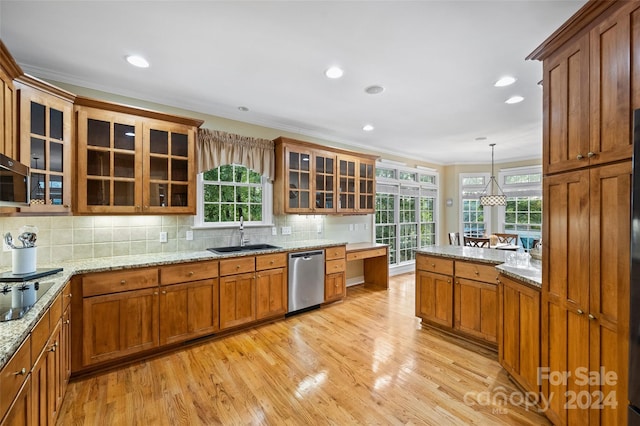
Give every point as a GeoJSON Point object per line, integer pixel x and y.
{"type": "Point", "coordinates": [10, 277]}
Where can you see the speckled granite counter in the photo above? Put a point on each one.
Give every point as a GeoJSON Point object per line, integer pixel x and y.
{"type": "Point", "coordinates": [13, 333]}
{"type": "Point", "coordinates": [528, 271]}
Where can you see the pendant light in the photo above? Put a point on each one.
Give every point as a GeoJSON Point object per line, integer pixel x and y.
{"type": "Point", "coordinates": [490, 199]}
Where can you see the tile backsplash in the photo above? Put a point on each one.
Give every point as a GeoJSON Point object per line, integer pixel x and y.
{"type": "Point", "coordinates": [62, 238]}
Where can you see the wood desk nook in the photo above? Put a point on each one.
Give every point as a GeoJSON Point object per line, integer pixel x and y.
{"type": "Point", "coordinates": [375, 259]}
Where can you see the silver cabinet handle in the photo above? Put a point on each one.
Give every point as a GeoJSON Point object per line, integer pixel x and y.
{"type": "Point", "coordinates": [580, 312]}
{"type": "Point", "coordinates": [591, 154]}
{"type": "Point", "coordinates": [591, 317]}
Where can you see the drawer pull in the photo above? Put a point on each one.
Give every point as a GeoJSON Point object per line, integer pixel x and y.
{"type": "Point", "coordinates": [476, 272]}
{"type": "Point", "coordinates": [123, 282]}
{"type": "Point", "coordinates": [591, 154]}
{"type": "Point", "coordinates": [591, 316]}
{"type": "Point", "coordinates": [190, 273]}
{"type": "Point", "coordinates": [21, 372]}
{"type": "Point", "coordinates": [69, 295]}
{"type": "Point", "coordinates": [580, 312]}
{"type": "Point", "coordinates": [448, 281]}
{"type": "Point", "coordinates": [271, 262]}
{"type": "Point", "coordinates": [433, 265]}
{"type": "Point", "coordinates": [164, 292]}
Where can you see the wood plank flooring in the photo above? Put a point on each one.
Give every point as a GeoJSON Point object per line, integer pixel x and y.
{"type": "Point", "coordinates": [367, 360]}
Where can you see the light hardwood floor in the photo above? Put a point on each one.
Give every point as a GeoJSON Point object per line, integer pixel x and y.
{"type": "Point", "coordinates": [367, 360]}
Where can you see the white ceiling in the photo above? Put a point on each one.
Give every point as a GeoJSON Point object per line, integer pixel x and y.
{"type": "Point", "coordinates": [438, 61]}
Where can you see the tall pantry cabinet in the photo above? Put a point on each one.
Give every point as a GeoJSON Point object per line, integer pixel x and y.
{"type": "Point", "coordinates": [591, 85]}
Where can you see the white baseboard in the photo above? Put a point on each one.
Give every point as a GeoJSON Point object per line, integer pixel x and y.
{"type": "Point", "coordinates": [355, 280]}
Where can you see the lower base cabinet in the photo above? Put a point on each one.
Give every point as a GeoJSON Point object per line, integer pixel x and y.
{"type": "Point", "coordinates": [237, 300]}
{"type": "Point", "coordinates": [519, 332]}
{"type": "Point", "coordinates": [20, 412]}
{"type": "Point", "coordinates": [434, 298]}
{"type": "Point", "coordinates": [476, 309]}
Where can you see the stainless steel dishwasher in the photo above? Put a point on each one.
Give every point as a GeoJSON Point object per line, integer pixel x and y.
{"type": "Point", "coordinates": [306, 280]}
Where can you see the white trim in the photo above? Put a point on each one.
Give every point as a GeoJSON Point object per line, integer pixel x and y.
{"type": "Point", "coordinates": [487, 211]}
{"type": "Point", "coordinates": [402, 269]}
{"type": "Point", "coordinates": [355, 280]}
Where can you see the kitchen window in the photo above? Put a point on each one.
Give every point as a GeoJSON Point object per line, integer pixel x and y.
{"type": "Point", "coordinates": [405, 210]}
{"type": "Point", "coordinates": [227, 192]}
{"type": "Point", "coordinates": [474, 218]}
{"type": "Point", "coordinates": [523, 213]}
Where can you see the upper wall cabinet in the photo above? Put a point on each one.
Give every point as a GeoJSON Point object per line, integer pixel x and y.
{"type": "Point", "coordinates": [312, 179]}
{"type": "Point", "coordinates": [9, 70]}
{"type": "Point", "coordinates": [588, 106]}
{"type": "Point", "coordinates": [45, 144]}
{"type": "Point", "coordinates": [134, 161]}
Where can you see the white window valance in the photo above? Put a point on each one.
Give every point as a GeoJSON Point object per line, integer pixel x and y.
{"type": "Point", "coordinates": [216, 148]}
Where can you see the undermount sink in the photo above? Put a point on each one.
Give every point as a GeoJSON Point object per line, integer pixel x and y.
{"type": "Point", "coordinates": [248, 247]}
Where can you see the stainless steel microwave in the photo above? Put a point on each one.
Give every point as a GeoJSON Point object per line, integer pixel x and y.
{"type": "Point", "coordinates": [14, 182]}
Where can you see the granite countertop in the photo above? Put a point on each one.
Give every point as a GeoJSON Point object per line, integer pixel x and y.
{"type": "Point", "coordinates": [527, 270]}
{"type": "Point", "coordinates": [13, 333]}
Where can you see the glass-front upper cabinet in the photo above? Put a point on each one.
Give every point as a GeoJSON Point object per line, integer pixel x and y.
{"type": "Point", "coordinates": [134, 164]}
{"type": "Point", "coordinates": [347, 184]}
{"type": "Point", "coordinates": [325, 177]}
{"type": "Point", "coordinates": [169, 160]}
{"type": "Point", "coordinates": [367, 186]}
{"type": "Point", "coordinates": [45, 144]}
{"type": "Point", "coordinates": [299, 179]}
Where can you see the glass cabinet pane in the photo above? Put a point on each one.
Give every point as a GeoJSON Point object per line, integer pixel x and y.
{"type": "Point", "coordinates": [180, 144]}
{"type": "Point", "coordinates": [98, 133]}
{"type": "Point", "coordinates": [55, 124]}
{"type": "Point", "coordinates": [38, 160]}
{"type": "Point", "coordinates": [124, 193]}
{"type": "Point", "coordinates": [56, 190]}
{"type": "Point", "coordinates": [56, 156]}
{"type": "Point", "coordinates": [158, 195]}
{"type": "Point", "coordinates": [38, 117]}
{"type": "Point", "coordinates": [158, 142]}
{"type": "Point", "coordinates": [124, 137]}
{"type": "Point", "coordinates": [179, 170]}
{"type": "Point", "coordinates": [98, 192]}
{"type": "Point", "coordinates": [38, 184]}
{"type": "Point", "coordinates": [179, 195]}
{"type": "Point", "coordinates": [124, 165]}
{"type": "Point", "coordinates": [294, 161]}
{"type": "Point", "coordinates": [159, 168]}
{"type": "Point", "coordinates": [98, 163]}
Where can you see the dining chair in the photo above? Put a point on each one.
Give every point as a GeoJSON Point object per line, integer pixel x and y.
{"type": "Point", "coordinates": [476, 242]}
{"type": "Point", "coordinates": [454, 238]}
{"type": "Point", "coordinates": [507, 239]}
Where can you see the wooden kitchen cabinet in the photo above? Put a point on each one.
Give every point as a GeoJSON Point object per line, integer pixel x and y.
{"type": "Point", "coordinates": [585, 287]}
{"type": "Point", "coordinates": [188, 301]}
{"type": "Point", "coordinates": [45, 131]}
{"type": "Point", "coordinates": [476, 300]}
{"type": "Point", "coordinates": [587, 96]}
{"type": "Point", "coordinates": [237, 292]}
{"type": "Point", "coordinates": [9, 70]}
{"type": "Point", "coordinates": [271, 285]}
{"type": "Point", "coordinates": [313, 179]}
{"type": "Point", "coordinates": [134, 161]}
{"type": "Point", "coordinates": [335, 274]}
{"type": "Point", "coordinates": [434, 291]}
{"type": "Point", "coordinates": [519, 331]}
{"type": "Point", "coordinates": [119, 314]}
{"type": "Point", "coordinates": [20, 413]}
{"type": "Point", "coordinates": [15, 387]}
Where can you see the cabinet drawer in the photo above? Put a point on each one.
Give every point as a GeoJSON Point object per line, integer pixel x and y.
{"type": "Point", "coordinates": [336, 266]}
{"type": "Point", "coordinates": [364, 254]}
{"type": "Point", "coordinates": [238, 265]}
{"type": "Point", "coordinates": [335, 252]}
{"type": "Point", "coordinates": [39, 337]}
{"type": "Point", "coordinates": [115, 282]}
{"type": "Point", "coordinates": [185, 272]}
{"type": "Point", "coordinates": [13, 375]}
{"type": "Point", "coordinates": [269, 261]}
{"type": "Point", "coordinates": [475, 271]}
{"type": "Point", "coordinates": [434, 264]}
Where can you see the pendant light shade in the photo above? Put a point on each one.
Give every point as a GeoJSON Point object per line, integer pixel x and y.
{"type": "Point", "coordinates": [492, 199]}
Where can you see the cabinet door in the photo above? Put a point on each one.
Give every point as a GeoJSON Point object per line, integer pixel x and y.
{"type": "Point", "coordinates": [8, 111]}
{"type": "Point", "coordinates": [45, 145]}
{"type": "Point", "coordinates": [347, 184]}
{"type": "Point", "coordinates": [610, 81]}
{"type": "Point", "coordinates": [324, 182]}
{"type": "Point", "coordinates": [55, 371]}
{"type": "Point", "coordinates": [334, 287]}
{"type": "Point", "coordinates": [366, 186]}
{"type": "Point", "coordinates": [110, 168]}
{"type": "Point", "coordinates": [610, 226]}
{"type": "Point", "coordinates": [566, 109]}
{"type": "Point", "coordinates": [271, 293]}
{"type": "Point", "coordinates": [169, 176]}
{"type": "Point", "coordinates": [237, 300]}
{"type": "Point", "coordinates": [119, 324]}
{"type": "Point", "coordinates": [41, 391]}
{"type": "Point", "coordinates": [298, 179]}
{"type": "Point", "coordinates": [519, 332]}
{"type": "Point", "coordinates": [20, 413]}
{"type": "Point", "coordinates": [188, 310]}
{"type": "Point", "coordinates": [434, 298]}
{"type": "Point", "coordinates": [476, 309]}
{"type": "Point", "coordinates": [65, 349]}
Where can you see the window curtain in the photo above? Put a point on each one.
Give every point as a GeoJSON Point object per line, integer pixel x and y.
{"type": "Point", "coordinates": [216, 148]}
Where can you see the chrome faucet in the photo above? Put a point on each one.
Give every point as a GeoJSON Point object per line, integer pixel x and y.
{"type": "Point", "coordinates": [242, 239]}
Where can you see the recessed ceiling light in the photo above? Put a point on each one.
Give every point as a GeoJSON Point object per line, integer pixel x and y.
{"type": "Point", "coordinates": [514, 100]}
{"type": "Point", "coordinates": [481, 138]}
{"type": "Point", "coordinates": [367, 127]}
{"type": "Point", "coordinates": [505, 81]}
{"type": "Point", "coordinates": [138, 61]}
{"type": "Point", "coordinates": [243, 108]}
{"type": "Point", "coordinates": [334, 72]}
{"type": "Point", "coordinates": [374, 90]}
